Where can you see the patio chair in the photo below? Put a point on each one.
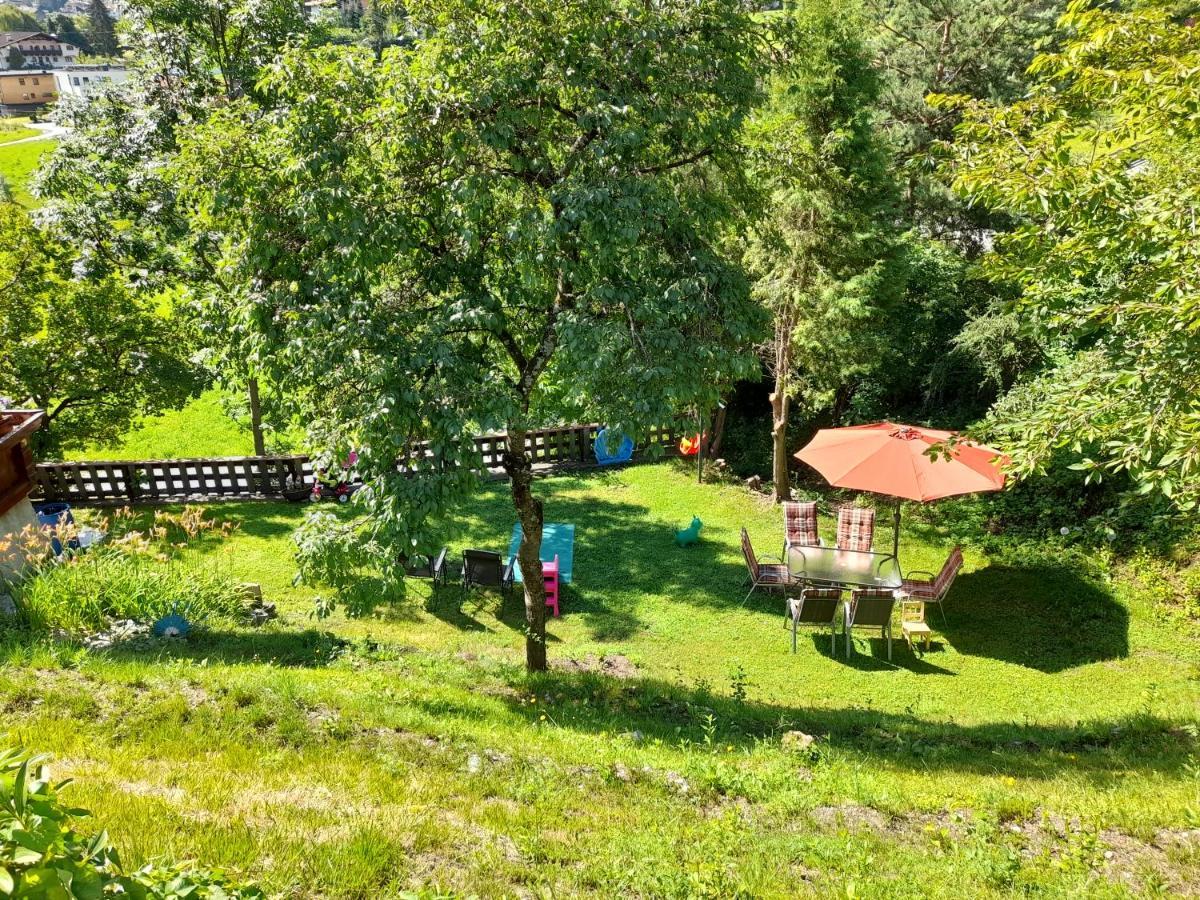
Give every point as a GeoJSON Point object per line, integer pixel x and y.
{"type": "Point", "coordinates": [767, 575]}
{"type": "Point", "coordinates": [816, 606]}
{"type": "Point", "coordinates": [855, 528]}
{"type": "Point", "coordinates": [483, 568]}
{"type": "Point", "coordinates": [934, 589]}
{"type": "Point", "coordinates": [422, 566]}
{"type": "Point", "coordinates": [799, 525]}
{"type": "Point", "coordinates": [871, 608]}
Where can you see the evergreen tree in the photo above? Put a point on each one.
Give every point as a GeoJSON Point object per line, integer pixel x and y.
{"type": "Point", "coordinates": [823, 254]}
{"type": "Point", "coordinates": [67, 29]}
{"type": "Point", "coordinates": [101, 32]}
{"type": "Point", "coordinates": [16, 59]}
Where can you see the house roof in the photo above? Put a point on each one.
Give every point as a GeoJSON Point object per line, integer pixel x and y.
{"type": "Point", "coordinates": [12, 37]}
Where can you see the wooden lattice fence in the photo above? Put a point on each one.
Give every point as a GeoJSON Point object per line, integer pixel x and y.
{"type": "Point", "coordinates": [118, 482]}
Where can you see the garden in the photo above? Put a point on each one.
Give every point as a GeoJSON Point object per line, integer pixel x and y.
{"type": "Point", "coordinates": [1046, 743]}
{"type": "Point", "coordinates": [679, 449]}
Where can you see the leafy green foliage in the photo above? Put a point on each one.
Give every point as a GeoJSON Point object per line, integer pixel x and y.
{"type": "Point", "coordinates": [13, 18]}
{"type": "Point", "coordinates": [43, 857]}
{"type": "Point", "coordinates": [134, 575]}
{"type": "Point", "coordinates": [1098, 165]}
{"type": "Point", "coordinates": [94, 354]}
{"type": "Point", "coordinates": [500, 226]}
{"type": "Point", "coordinates": [823, 254]}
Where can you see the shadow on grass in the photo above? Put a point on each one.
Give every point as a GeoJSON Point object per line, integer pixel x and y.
{"type": "Point", "coordinates": [1100, 751]}
{"type": "Point", "coordinates": [1044, 618]}
{"type": "Point", "coordinates": [309, 648]}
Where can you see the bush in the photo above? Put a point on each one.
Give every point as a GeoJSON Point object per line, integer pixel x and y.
{"type": "Point", "coordinates": [135, 576]}
{"type": "Point", "coordinates": [43, 857]}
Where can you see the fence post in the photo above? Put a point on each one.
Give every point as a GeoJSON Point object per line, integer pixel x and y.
{"type": "Point", "coordinates": [133, 487]}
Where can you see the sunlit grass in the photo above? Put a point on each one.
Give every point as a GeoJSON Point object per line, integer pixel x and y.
{"type": "Point", "coordinates": [356, 758]}
{"type": "Point", "coordinates": [17, 163]}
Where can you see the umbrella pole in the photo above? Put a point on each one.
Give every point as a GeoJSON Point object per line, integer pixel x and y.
{"type": "Point", "coordinates": [896, 534]}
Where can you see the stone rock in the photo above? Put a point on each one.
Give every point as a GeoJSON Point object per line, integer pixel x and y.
{"type": "Point", "coordinates": [474, 763]}
{"type": "Point", "coordinates": [7, 606]}
{"type": "Point", "coordinates": [621, 773]}
{"type": "Point", "coordinates": [678, 782]}
{"type": "Point", "coordinates": [797, 741]}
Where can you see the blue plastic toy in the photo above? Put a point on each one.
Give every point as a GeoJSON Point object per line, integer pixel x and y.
{"type": "Point", "coordinates": [690, 535]}
{"type": "Point", "coordinates": [173, 625]}
{"type": "Point", "coordinates": [623, 453]}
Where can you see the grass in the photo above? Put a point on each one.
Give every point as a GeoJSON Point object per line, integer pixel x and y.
{"type": "Point", "coordinates": [1046, 747]}
{"type": "Point", "coordinates": [202, 428]}
{"type": "Point", "coordinates": [9, 133]}
{"type": "Point", "coordinates": [17, 163]}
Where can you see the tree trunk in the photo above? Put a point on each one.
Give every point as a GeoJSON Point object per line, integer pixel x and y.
{"type": "Point", "coordinates": [530, 515]}
{"type": "Point", "coordinates": [718, 432]}
{"type": "Point", "coordinates": [260, 446]}
{"type": "Point", "coordinates": [780, 477]}
{"type": "Point", "coordinates": [700, 440]}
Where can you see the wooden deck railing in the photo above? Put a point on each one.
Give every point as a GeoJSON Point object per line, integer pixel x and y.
{"type": "Point", "coordinates": [117, 482]}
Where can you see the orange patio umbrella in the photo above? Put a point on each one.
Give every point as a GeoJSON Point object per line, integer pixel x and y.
{"type": "Point", "coordinates": [893, 460]}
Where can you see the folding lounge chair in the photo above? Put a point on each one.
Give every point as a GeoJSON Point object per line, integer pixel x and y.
{"type": "Point", "coordinates": [800, 525]}
{"type": "Point", "coordinates": [483, 568]}
{"type": "Point", "coordinates": [855, 528]}
{"type": "Point", "coordinates": [871, 608]}
{"type": "Point", "coordinates": [816, 606]}
{"type": "Point", "coordinates": [766, 575]}
{"type": "Point", "coordinates": [933, 590]}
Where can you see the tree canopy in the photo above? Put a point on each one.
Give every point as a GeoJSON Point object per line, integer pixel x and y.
{"type": "Point", "coordinates": [1098, 165]}
{"type": "Point", "coordinates": [516, 221]}
{"type": "Point", "coordinates": [95, 355]}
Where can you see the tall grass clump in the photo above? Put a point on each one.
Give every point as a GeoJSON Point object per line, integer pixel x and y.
{"type": "Point", "coordinates": [135, 575]}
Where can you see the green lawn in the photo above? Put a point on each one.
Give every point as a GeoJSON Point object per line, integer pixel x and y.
{"type": "Point", "coordinates": [17, 163]}
{"type": "Point", "coordinates": [1046, 747]}
{"type": "Point", "coordinates": [15, 133]}
{"type": "Point", "coordinates": [202, 428]}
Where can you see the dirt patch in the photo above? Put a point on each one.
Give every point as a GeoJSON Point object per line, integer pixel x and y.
{"type": "Point", "coordinates": [850, 816]}
{"type": "Point", "coordinates": [614, 664]}
{"type": "Point", "coordinates": [173, 795]}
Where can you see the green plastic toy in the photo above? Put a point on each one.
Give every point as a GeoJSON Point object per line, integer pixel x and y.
{"type": "Point", "coordinates": [690, 535]}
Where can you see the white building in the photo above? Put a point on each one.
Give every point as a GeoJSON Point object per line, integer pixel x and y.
{"type": "Point", "coordinates": [85, 81]}
{"type": "Point", "coordinates": [38, 50]}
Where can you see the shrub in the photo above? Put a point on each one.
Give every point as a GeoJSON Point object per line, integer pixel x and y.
{"type": "Point", "coordinates": [43, 857]}
{"type": "Point", "coordinates": [141, 576]}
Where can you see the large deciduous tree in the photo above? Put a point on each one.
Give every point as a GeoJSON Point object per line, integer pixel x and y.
{"type": "Point", "coordinates": [95, 355]}
{"type": "Point", "coordinates": [824, 252]}
{"type": "Point", "coordinates": [513, 222]}
{"type": "Point", "coordinates": [1099, 166]}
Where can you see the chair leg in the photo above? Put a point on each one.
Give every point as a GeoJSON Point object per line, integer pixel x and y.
{"type": "Point", "coordinates": [753, 588]}
{"type": "Point", "coordinates": [942, 610]}
{"type": "Point", "coordinates": [793, 635]}
{"type": "Point", "coordinates": [888, 632]}
{"type": "Point", "coordinates": [849, 637]}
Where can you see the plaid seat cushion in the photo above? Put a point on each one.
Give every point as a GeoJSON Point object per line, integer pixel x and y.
{"type": "Point", "coordinates": [856, 528]}
{"type": "Point", "coordinates": [823, 593]}
{"type": "Point", "coordinates": [772, 573]}
{"type": "Point", "coordinates": [918, 587]}
{"type": "Point", "coordinates": [800, 523]}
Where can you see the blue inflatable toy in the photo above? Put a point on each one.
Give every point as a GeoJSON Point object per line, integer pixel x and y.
{"type": "Point", "coordinates": [623, 453]}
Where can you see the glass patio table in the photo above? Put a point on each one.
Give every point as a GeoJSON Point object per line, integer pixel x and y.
{"type": "Point", "coordinates": [829, 566]}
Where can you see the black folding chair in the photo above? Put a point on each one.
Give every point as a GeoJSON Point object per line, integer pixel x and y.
{"type": "Point", "coordinates": [485, 569]}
